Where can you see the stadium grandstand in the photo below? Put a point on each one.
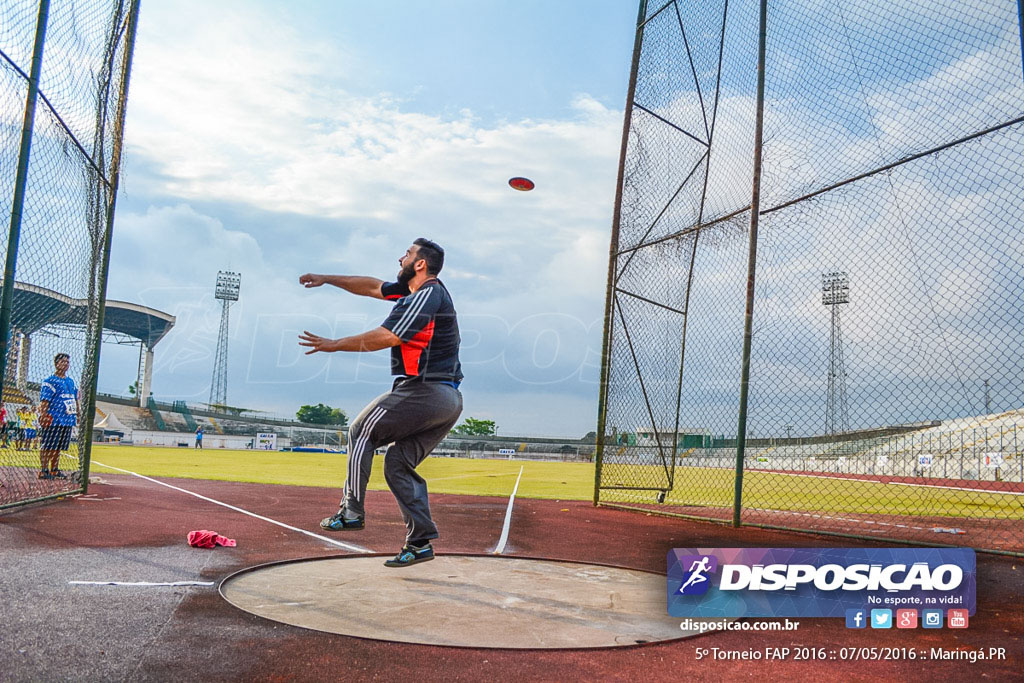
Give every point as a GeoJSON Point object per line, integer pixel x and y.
{"type": "Point", "coordinates": [42, 312]}
{"type": "Point", "coordinates": [120, 419]}
{"type": "Point", "coordinates": [979, 448]}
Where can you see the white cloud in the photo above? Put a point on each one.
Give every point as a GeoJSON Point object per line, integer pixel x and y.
{"type": "Point", "coordinates": [340, 182]}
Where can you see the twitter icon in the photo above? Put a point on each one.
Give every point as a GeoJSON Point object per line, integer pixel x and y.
{"type": "Point", "coordinates": [881, 618]}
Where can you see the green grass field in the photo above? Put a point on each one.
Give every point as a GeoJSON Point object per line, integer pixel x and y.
{"type": "Point", "coordinates": [712, 487]}
{"type": "Point", "coordinates": [552, 480]}
{"type": "Point", "coordinates": [694, 486]}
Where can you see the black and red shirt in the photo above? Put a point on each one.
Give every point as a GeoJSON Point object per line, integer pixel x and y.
{"type": "Point", "coordinates": [425, 321]}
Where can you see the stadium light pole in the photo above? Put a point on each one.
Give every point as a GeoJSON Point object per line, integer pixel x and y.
{"type": "Point", "coordinates": [229, 284]}
{"type": "Point", "coordinates": [835, 292]}
{"type": "Point", "coordinates": [748, 318]}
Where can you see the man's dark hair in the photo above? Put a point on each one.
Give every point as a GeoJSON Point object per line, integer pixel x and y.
{"type": "Point", "coordinates": [61, 355]}
{"type": "Point", "coordinates": [432, 253]}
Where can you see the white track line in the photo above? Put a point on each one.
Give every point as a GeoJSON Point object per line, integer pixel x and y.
{"type": "Point", "coordinates": [957, 488]}
{"type": "Point", "coordinates": [838, 519]}
{"type": "Point", "coordinates": [141, 583]}
{"type": "Point", "coordinates": [970, 489]}
{"type": "Point", "coordinates": [500, 548]}
{"type": "Point", "coordinates": [347, 546]}
{"type": "Point", "coordinates": [818, 476]}
{"type": "Point", "coordinates": [469, 476]}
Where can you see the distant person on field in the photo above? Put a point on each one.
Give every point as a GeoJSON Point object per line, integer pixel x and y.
{"type": "Point", "coordinates": [12, 425]}
{"type": "Point", "coordinates": [424, 402]}
{"type": "Point", "coordinates": [199, 437]}
{"type": "Point", "coordinates": [19, 438]}
{"type": "Point", "coordinates": [58, 415]}
{"type": "Point", "coordinates": [31, 420]}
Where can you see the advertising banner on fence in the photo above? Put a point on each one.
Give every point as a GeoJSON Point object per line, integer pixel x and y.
{"type": "Point", "coordinates": [817, 582]}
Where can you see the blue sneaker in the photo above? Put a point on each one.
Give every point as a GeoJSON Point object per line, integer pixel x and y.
{"type": "Point", "coordinates": [337, 522]}
{"type": "Point", "coordinates": [411, 555]}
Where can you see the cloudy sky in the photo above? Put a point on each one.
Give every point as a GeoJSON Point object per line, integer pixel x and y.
{"type": "Point", "coordinates": [931, 247]}
{"type": "Point", "coordinates": [281, 138]}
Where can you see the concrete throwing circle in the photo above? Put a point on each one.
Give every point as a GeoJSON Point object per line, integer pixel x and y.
{"type": "Point", "coordinates": [462, 601]}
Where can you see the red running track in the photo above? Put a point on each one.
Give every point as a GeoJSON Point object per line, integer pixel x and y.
{"type": "Point", "coordinates": [205, 638]}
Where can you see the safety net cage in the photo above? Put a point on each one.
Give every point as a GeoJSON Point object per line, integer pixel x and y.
{"type": "Point", "coordinates": [883, 395]}
{"type": "Point", "coordinates": [63, 81]}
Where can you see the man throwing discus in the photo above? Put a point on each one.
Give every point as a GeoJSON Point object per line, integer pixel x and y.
{"type": "Point", "coordinates": [424, 402]}
{"type": "Point", "coordinates": [58, 415]}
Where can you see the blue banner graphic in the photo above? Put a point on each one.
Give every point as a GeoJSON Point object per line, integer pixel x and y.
{"type": "Point", "coordinates": [817, 582]}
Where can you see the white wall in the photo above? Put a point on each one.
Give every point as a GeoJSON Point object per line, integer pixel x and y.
{"type": "Point", "coordinates": [146, 438]}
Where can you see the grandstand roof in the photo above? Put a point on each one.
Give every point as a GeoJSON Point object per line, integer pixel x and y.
{"type": "Point", "coordinates": [36, 307]}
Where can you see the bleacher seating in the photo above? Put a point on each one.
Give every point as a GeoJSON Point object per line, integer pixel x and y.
{"type": "Point", "coordinates": [14, 395]}
{"type": "Point", "coordinates": [132, 417]}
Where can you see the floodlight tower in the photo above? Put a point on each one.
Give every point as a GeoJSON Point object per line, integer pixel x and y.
{"type": "Point", "coordinates": [228, 286]}
{"type": "Point", "coordinates": [835, 291]}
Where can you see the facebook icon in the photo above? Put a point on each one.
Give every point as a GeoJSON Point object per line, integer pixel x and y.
{"type": "Point", "coordinates": [856, 618]}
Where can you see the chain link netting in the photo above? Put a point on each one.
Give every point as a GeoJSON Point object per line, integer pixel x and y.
{"type": "Point", "coordinates": [69, 186]}
{"type": "Point", "coordinates": [886, 375]}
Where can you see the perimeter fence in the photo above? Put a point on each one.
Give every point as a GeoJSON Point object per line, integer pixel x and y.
{"type": "Point", "coordinates": [64, 69]}
{"type": "Point", "coordinates": [815, 317]}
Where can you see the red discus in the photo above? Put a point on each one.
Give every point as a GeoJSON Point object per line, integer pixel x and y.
{"type": "Point", "coordinates": [521, 184]}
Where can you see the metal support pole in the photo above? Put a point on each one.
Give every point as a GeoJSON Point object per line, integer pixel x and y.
{"type": "Point", "coordinates": [114, 178]}
{"type": "Point", "coordinates": [20, 183]}
{"type": "Point", "coordinates": [748, 324]}
{"type": "Point", "coordinates": [609, 309]}
{"type": "Point", "coordinates": [1020, 26]}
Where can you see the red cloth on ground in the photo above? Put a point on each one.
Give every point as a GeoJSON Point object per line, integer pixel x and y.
{"type": "Point", "coordinates": [208, 539]}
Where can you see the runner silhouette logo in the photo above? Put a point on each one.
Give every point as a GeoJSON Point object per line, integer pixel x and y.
{"type": "Point", "coordinates": [696, 580]}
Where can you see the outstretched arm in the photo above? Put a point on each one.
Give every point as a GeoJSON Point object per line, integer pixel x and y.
{"type": "Point", "coordinates": [356, 284]}
{"type": "Point", "coordinates": [374, 340]}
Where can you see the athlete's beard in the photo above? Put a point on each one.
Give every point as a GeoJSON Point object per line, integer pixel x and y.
{"type": "Point", "coordinates": [406, 273]}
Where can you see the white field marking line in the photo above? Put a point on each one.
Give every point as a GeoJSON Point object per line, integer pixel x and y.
{"type": "Point", "coordinates": [500, 548]}
{"type": "Point", "coordinates": [469, 476]}
{"type": "Point", "coordinates": [817, 476]}
{"type": "Point", "coordinates": [347, 546]}
{"type": "Point", "coordinates": [958, 488]}
{"type": "Point", "coordinates": [141, 583]}
{"type": "Point", "coordinates": [840, 519]}
{"type": "Point", "coordinates": [892, 483]}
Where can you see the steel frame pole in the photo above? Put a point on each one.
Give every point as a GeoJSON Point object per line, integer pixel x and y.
{"type": "Point", "coordinates": [114, 178]}
{"type": "Point", "coordinates": [609, 312]}
{"type": "Point", "coordinates": [20, 184]}
{"type": "Point", "coordinates": [748, 324]}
